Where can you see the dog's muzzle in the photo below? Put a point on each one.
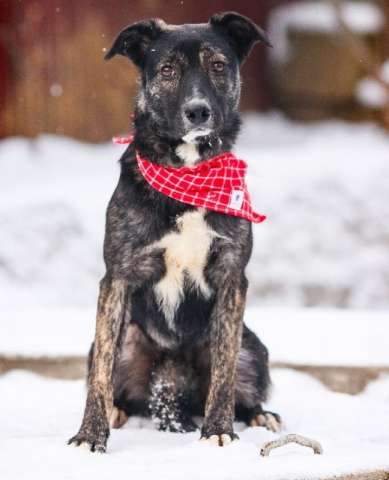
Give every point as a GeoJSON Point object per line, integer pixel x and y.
{"type": "Point", "coordinates": [197, 113]}
{"type": "Point", "coordinates": [198, 119]}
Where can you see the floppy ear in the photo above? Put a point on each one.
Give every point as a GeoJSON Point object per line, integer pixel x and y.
{"type": "Point", "coordinates": [134, 40]}
{"type": "Point", "coordinates": [241, 32]}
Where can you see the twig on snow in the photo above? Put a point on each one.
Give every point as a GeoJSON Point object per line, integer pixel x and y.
{"type": "Point", "coordinates": [291, 438]}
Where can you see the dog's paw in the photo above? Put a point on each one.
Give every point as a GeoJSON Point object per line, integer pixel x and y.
{"type": "Point", "coordinates": [177, 424]}
{"type": "Point", "coordinates": [220, 440]}
{"type": "Point", "coordinates": [118, 418]}
{"type": "Point", "coordinates": [188, 425]}
{"type": "Point", "coordinates": [183, 425]}
{"type": "Point", "coordinates": [271, 421]}
{"type": "Point", "coordinates": [93, 441]}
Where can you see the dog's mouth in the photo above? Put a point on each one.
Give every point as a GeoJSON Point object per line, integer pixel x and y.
{"type": "Point", "coordinates": [197, 135]}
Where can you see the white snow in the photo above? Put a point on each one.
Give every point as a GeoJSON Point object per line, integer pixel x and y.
{"type": "Point", "coordinates": [372, 93]}
{"type": "Point", "coordinates": [54, 192]}
{"type": "Point", "coordinates": [48, 331]}
{"type": "Point", "coordinates": [319, 336]}
{"type": "Point", "coordinates": [322, 337]}
{"type": "Point", "coordinates": [39, 415]}
{"type": "Point", "coordinates": [324, 187]}
{"type": "Point", "coordinates": [319, 16]}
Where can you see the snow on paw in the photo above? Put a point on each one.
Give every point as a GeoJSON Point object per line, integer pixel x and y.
{"type": "Point", "coordinates": [271, 421]}
{"type": "Point", "coordinates": [220, 440]}
{"type": "Point", "coordinates": [118, 418]}
{"type": "Point", "coordinates": [94, 443]}
{"type": "Point", "coordinates": [175, 423]}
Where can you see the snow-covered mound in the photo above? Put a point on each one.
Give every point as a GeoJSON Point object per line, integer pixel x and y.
{"type": "Point", "coordinates": [372, 93]}
{"type": "Point", "coordinates": [324, 187]}
{"type": "Point", "coordinates": [39, 415]}
{"type": "Point", "coordinates": [319, 16]}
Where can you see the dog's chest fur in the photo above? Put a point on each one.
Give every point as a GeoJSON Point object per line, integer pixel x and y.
{"type": "Point", "coordinates": [186, 253]}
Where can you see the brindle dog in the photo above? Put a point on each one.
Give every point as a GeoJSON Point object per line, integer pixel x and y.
{"type": "Point", "coordinates": [170, 340]}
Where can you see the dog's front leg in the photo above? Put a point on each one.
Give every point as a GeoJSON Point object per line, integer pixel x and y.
{"type": "Point", "coordinates": [226, 333]}
{"type": "Point", "coordinates": [94, 429]}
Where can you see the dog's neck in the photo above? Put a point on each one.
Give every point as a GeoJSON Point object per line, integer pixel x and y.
{"type": "Point", "coordinates": [156, 147]}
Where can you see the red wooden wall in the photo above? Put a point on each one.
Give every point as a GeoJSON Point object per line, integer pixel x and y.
{"type": "Point", "coordinates": [52, 74]}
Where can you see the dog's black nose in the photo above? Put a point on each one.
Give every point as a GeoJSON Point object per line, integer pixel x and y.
{"type": "Point", "coordinates": [197, 112]}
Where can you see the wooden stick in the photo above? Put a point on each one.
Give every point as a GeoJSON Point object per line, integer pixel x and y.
{"type": "Point", "coordinates": [291, 438]}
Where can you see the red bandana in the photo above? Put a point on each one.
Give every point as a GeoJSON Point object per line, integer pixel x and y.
{"type": "Point", "coordinates": [216, 184]}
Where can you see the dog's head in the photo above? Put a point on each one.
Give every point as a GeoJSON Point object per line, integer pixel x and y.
{"type": "Point", "coordinates": [190, 73]}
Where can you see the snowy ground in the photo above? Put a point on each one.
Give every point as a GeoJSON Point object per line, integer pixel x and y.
{"type": "Point", "coordinates": [324, 187]}
{"type": "Point", "coordinates": [300, 336]}
{"type": "Point", "coordinates": [39, 415]}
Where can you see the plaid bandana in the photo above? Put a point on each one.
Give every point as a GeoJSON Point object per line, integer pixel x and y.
{"type": "Point", "coordinates": [216, 184]}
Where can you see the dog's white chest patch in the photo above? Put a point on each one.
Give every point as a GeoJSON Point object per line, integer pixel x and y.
{"type": "Point", "coordinates": [186, 252]}
{"type": "Point", "coordinates": [188, 152]}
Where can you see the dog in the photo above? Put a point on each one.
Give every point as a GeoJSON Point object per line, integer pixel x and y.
{"type": "Point", "coordinates": [170, 341]}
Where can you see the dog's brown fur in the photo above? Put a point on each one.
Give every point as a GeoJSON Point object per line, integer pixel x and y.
{"type": "Point", "coordinates": [194, 354]}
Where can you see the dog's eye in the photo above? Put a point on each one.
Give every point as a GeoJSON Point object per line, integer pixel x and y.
{"type": "Point", "coordinates": [218, 67]}
{"type": "Point", "coordinates": [167, 71]}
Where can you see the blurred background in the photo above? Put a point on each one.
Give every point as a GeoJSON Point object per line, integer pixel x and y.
{"type": "Point", "coordinates": [315, 134]}
{"type": "Point", "coordinates": [52, 71]}
{"type": "Point", "coordinates": [316, 137]}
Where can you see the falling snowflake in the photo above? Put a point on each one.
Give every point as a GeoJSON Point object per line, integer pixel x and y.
{"type": "Point", "coordinates": [56, 90]}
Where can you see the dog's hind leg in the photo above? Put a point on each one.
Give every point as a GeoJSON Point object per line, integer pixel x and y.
{"type": "Point", "coordinates": [94, 429]}
{"type": "Point", "coordinates": [132, 376]}
{"type": "Point", "coordinates": [253, 383]}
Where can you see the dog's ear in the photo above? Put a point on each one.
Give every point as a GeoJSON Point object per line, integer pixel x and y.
{"type": "Point", "coordinates": [241, 32]}
{"type": "Point", "coordinates": [134, 40]}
